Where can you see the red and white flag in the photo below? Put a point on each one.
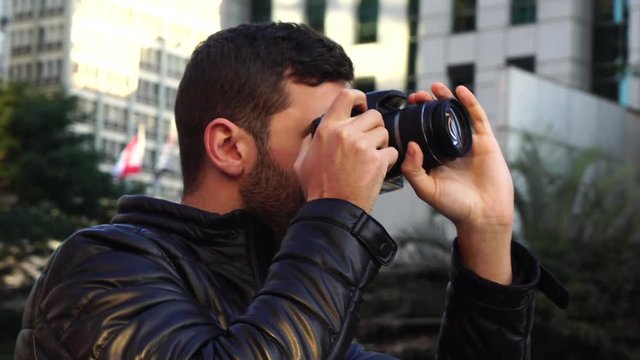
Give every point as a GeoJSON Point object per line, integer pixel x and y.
{"type": "Point", "coordinates": [130, 160]}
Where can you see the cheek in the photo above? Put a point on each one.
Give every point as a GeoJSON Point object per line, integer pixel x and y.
{"type": "Point", "coordinates": [285, 154]}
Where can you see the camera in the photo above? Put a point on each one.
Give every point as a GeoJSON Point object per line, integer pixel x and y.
{"type": "Point", "coordinates": [442, 129]}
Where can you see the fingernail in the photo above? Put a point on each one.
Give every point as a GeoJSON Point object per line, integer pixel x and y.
{"type": "Point", "coordinates": [410, 150]}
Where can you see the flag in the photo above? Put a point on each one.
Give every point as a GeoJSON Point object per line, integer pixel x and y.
{"type": "Point", "coordinates": [165, 161]}
{"type": "Point", "coordinates": [130, 160]}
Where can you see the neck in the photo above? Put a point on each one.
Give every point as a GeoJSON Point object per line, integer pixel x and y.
{"type": "Point", "coordinates": [219, 197]}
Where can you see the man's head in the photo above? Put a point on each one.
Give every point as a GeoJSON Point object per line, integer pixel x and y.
{"type": "Point", "coordinates": [246, 75]}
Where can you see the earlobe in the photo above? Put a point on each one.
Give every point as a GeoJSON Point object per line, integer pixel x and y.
{"type": "Point", "coordinates": [225, 148]}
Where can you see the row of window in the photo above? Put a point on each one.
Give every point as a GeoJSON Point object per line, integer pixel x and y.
{"type": "Point", "coordinates": [464, 14]}
{"type": "Point", "coordinates": [150, 60]}
{"type": "Point", "coordinates": [43, 72]}
{"type": "Point", "coordinates": [314, 10]}
{"type": "Point", "coordinates": [463, 74]}
{"type": "Point", "coordinates": [25, 9]}
{"type": "Point", "coordinates": [116, 118]}
{"type": "Point", "coordinates": [41, 39]}
{"type": "Point", "coordinates": [148, 92]}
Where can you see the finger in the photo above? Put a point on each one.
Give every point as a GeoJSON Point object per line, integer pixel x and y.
{"type": "Point", "coordinates": [441, 91]}
{"type": "Point", "coordinates": [366, 121]}
{"type": "Point", "coordinates": [412, 169]}
{"type": "Point", "coordinates": [342, 105]}
{"type": "Point", "coordinates": [377, 138]}
{"type": "Point", "coordinates": [420, 97]}
{"type": "Point", "coordinates": [389, 156]}
{"type": "Point", "coordinates": [478, 115]}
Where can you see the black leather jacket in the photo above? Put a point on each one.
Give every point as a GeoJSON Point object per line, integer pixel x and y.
{"type": "Point", "coordinates": [168, 281]}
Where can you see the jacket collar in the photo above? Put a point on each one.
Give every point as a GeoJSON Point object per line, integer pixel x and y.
{"type": "Point", "coordinates": [238, 237]}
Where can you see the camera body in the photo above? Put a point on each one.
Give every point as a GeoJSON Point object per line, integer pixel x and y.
{"type": "Point", "coordinates": [442, 129]}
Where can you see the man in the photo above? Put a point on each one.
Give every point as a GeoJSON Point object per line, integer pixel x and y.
{"type": "Point", "coordinates": [272, 247]}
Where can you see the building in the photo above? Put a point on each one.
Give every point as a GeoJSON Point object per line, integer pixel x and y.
{"type": "Point", "coordinates": [580, 54]}
{"type": "Point", "coordinates": [588, 45]}
{"type": "Point", "coordinates": [592, 45]}
{"type": "Point", "coordinates": [122, 59]}
{"type": "Point", "coordinates": [374, 33]}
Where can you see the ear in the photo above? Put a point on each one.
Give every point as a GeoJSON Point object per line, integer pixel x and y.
{"type": "Point", "coordinates": [231, 149]}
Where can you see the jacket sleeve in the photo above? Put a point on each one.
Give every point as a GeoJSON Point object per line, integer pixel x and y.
{"type": "Point", "coordinates": [486, 320]}
{"type": "Point", "coordinates": [130, 306]}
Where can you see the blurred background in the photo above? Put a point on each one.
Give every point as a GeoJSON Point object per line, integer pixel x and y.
{"type": "Point", "coordinates": [86, 115]}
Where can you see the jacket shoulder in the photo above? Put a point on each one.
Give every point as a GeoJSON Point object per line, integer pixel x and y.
{"type": "Point", "coordinates": [97, 275]}
{"type": "Point", "coordinates": [99, 240]}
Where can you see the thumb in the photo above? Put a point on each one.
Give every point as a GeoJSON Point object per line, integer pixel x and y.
{"type": "Point", "coordinates": [422, 183]}
{"type": "Point", "coordinates": [412, 165]}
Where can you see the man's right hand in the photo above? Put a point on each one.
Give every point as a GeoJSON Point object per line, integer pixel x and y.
{"type": "Point", "coordinates": [348, 157]}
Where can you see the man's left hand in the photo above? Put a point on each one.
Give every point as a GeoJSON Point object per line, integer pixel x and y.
{"type": "Point", "coordinates": [475, 191]}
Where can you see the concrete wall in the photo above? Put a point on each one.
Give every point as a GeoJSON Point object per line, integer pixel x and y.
{"type": "Point", "coordinates": [565, 115]}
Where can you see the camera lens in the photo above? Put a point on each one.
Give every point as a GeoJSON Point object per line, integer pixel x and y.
{"type": "Point", "coordinates": [451, 130]}
{"type": "Point", "coordinates": [442, 128]}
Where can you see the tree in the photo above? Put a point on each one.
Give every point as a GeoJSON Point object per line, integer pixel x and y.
{"type": "Point", "coordinates": [50, 183]}
{"type": "Point", "coordinates": [580, 214]}
{"type": "Point", "coordinates": [43, 160]}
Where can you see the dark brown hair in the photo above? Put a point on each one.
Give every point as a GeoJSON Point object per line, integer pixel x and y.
{"type": "Point", "coordinates": [240, 74]}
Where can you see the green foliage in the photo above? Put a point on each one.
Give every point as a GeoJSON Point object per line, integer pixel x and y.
{"type": "Point", "coordinates": [581, 216]}
{"type": "Point", "coordinates": [50, 183]}
{"type": "Point", "coordinates": [43, 160]}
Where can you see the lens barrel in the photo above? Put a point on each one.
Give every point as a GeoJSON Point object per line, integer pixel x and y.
{"type": "Point", "coordinates": [442, 129]}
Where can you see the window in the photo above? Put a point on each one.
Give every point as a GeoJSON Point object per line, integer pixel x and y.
{"type": "Point", "coordinates": [461, 75]}
{"type": "Point", "coordinates": [464, 15]}
{"type": "Point", "coordinates": [610, 48]}
{"type": "Point", "coordinates": [527, 63]}
{"type": "Point", "coordinates": [150, 59]}
{"type": "Point", "coordinates": [367, 24]}
{"type": "Point", "coordinates": [175, 66]}
{"type": "Point", "coordinates": [115, 118]}
{"type": "Point", "coordinates": [23, 9]}
{"type": "Point", "coordinates": [413, 16]}
{"type": "Point", "coordinates": [39, 72]}
{"type": "Point", "coordinates": [170, 98]}
{"type": "Point", "coordinates": [41, 37]}
{"type": "Point", "coordinates": [260, 11]}
{"type": "Point", "coordinates": [86, 111]}
{"type": "Point", "coordinates": [20, 42]}
{"type": "Point", "coordinates": [147, 92]}
{"type": "Point", "coordinates": [365, 84]}
{"type": "Point", "coordinates": [315, 11]}
{"type": "Point", "coordinates": [523, 11]}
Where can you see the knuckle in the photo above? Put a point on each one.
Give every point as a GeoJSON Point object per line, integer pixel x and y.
{"type": "Point", "coordinates": [361, 145]}
{"type": "Point", "coordinates": [343, 134]}
{"type": "Point", "coordinates": [376, 115]}
{"type": "Point", "coordinates": [385, 137]}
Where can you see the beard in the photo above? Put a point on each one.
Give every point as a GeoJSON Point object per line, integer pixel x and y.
{"type": "Point", "coordinates": [272, 193]}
